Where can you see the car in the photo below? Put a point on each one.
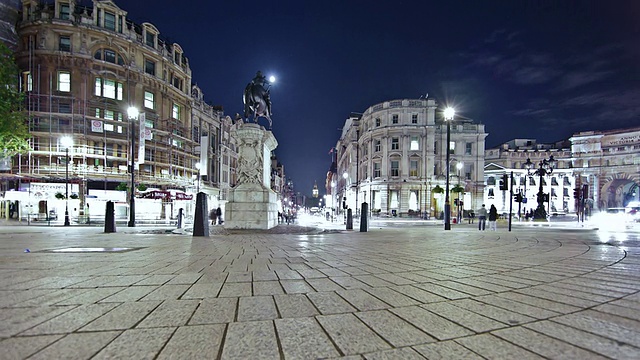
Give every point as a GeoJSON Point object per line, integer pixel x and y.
{"type": "Point", "coordinates": [612, 218]}
{"type": "Point", "coordinates": [633, 210]}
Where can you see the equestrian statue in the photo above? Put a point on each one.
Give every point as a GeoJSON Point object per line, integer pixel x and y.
{"type": "Point", "coordinates": [256, 98]}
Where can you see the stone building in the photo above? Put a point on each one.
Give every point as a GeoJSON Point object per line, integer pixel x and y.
{"type": "Point", "coordinates": [393, 156]}
{"type": "Point", "coordinates": [605, 163]}
{"type": "Point", "coordinates": [510, 158]}
{"type": "Point", "coordinates": [609, 163]}
{"type": "Point", "coordinates": [82, 68]}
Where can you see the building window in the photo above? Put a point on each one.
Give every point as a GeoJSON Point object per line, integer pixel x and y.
{"type": "Point", "coordinates": [394, 119]}
{"type": "Point", "coordinates": [435, 147]}
{"type": "Point", "coordinates": [395, 168]}
{"type": "Point", "coordinates": [109, 88]}
{"type": "Point", "coordinates": [64, 81]}
{"type": "Point", "coordinates": [64, 11]}
{"type": "Point", "coordinates": [377, 121]}
{"type": "Point", "coordinates": [109, 21]}
{"type": "Point", "coordinates": [491, 193]}
{"type": "Point", "coordinates": [468, 148]}
{"type": "Point", "coordinates": [177, 82]}
{"type": "Point", "coordinates": [149, 102]}
{"type": "Point", "coordinates": [64, 43]}
{"type": "Point", "coordinates": [176, 111]}
{"type": "Point", "coordinates": [28, 81]}
{"type": "Point", "coordinates": [413, 168]}
{"type": "Point", "coordinates": [395, 143]}
{"type": "Point", "coordinates": [150, 67]}
{"type": "Point", "coordinates": [414, 118]}
{"type": "Point", "coordinates": [452, 147]}
{"type": "Point", "coordinates": [414, 143]}
{"type": "Point", "coordinates": [109, 56]}
{"type": "Point", "coordinates": [151, 39]}
{"type": "Point", "coordinates": [377, 145]}
{"type": "Point", "coordinates": [376, 170]}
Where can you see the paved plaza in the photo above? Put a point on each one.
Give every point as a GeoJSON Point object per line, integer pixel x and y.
{"type": "Point", "coordinates": [406, 292]}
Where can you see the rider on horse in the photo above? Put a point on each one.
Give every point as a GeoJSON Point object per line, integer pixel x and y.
{"type": "Point", "coordinates": [257, 91]}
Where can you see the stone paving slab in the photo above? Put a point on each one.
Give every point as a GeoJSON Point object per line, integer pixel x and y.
{"type": "Point", "coordinates": [413, 292]}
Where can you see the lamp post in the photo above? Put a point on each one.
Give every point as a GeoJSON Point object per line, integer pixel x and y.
{"type": "Point", "coordinates": [198, 166]}
{"type": "Point", "coordinates": [545, 167]}
{"type": "Point", "coordinates": [132, 113]}
{"type": "Point", "coordinates": [459, 167]}
{"type": "Point", "coordinates": [67, 142]}
{"type": "Point", "coordinates": [449, 113]}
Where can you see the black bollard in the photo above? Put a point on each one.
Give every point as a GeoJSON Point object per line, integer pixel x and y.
{"type": "Point", "coordinates": [200, 221]}
{"type": "Point", "coordinates": [364, 218]}
{"type": "Point", "coordinates": [349, 220]}
{"type": "Point", "coordinates": [110, 218]}
{"type": "Point", "coordinates": [180, 218]}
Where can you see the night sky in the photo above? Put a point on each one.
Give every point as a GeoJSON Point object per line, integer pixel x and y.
{"type": "Point", "coordinates": [541, 69]}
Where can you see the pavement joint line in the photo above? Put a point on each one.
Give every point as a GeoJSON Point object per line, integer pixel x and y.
{"type": "Point", "coordinates": [397, 253]}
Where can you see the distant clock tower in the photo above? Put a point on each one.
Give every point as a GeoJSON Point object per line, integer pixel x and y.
{"type": "Point", "coordinates": [315, 190]}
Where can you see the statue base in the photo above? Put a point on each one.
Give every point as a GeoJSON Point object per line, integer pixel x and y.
{"type": "Point", "coordinates": [252, 204]}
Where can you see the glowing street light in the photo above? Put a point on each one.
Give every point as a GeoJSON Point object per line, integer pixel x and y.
{"type": "Point", "coordinates": [272, 79]}
{"type": "Point", "coordinates": [66, 142]}
{"type": "Point", "coordinates": [132, 113]}
{"type": "Point", "coordinates": [449, 114]}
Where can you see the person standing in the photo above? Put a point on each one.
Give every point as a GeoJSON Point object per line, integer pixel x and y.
{"type": "Point", "coordinates": [493, 218]}
{"type": "Point", "coordinates": [482, 218]}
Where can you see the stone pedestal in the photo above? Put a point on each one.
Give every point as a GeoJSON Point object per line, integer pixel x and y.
{"type": "Point", "coordinates": [252, 204]}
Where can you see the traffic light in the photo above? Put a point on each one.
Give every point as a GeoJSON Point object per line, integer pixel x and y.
{"type": "Point", "coordinates": [504, 182]}
{"type": "Point", "coordinates": [576, 193]}
{"type": "Point", "coordinates": [518, 197]}
{"type": "Point", "coordinates": [455, 202]}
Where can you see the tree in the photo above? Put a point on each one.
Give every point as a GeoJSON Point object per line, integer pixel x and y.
{"type": "Point", "coordinates": [437, 190]}
{"type": "Point", "coordinates": [13, 128]}
{"type": "Point", "coordinates": [457, 189]}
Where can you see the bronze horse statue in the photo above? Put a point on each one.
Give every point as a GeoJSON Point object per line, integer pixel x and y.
{"type": "Point", "coordinates": [256, 98]}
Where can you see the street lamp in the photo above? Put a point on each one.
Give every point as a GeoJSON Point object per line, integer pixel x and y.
{"type": "Point", "coordinates": [67, 142]}
{"type": "Point", "coordinates": [545, 167]}
{"type": "Point", "coordinates": [449, 113]}
{"type": "Point", "coordinates": [132, 113]}
{"type": "Point", "coordinates": [459, 167]}
{"type": "Point", "coordinates": [198, 166]}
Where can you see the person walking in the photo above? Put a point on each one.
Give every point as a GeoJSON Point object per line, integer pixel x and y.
{"type": "Point", "coordinates": [493, 218]}
{"type": "Point", "coordinates": [219, 216]}
{"type": "Point", "coordinates": [482, 218]}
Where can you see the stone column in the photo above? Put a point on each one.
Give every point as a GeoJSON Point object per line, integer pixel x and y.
{"type": "Point", "coordinates": [252, 204]}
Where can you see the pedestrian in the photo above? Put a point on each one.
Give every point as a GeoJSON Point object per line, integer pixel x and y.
{"type": "Point", "coordinates": [493, 218]}
{"type": "Point", "coordinates": [482, 217]}
{"type": "Point", "coordinates": [219, 216]}
{"type": "Point", "coordinates": [471, 216]}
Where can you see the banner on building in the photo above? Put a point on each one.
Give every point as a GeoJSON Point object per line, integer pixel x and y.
{"type": "Point", "coordinates": [141, 138]}
{"type": "Point", "coordinates": [204, 154]}
{"type": "Point", "coordinates": [97, 126]}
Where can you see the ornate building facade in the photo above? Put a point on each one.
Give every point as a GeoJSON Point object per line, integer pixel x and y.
{"type": "Point", "coordinates": [609, 163]}
{"type": "Point", "coordinates": [393, 156]}
{"type": "Point", "coordinates": [605, 163]}
{"type": "Point", "coordinates": [511, 158]}
{"type": "Point", "coordinates": [82, 69]}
